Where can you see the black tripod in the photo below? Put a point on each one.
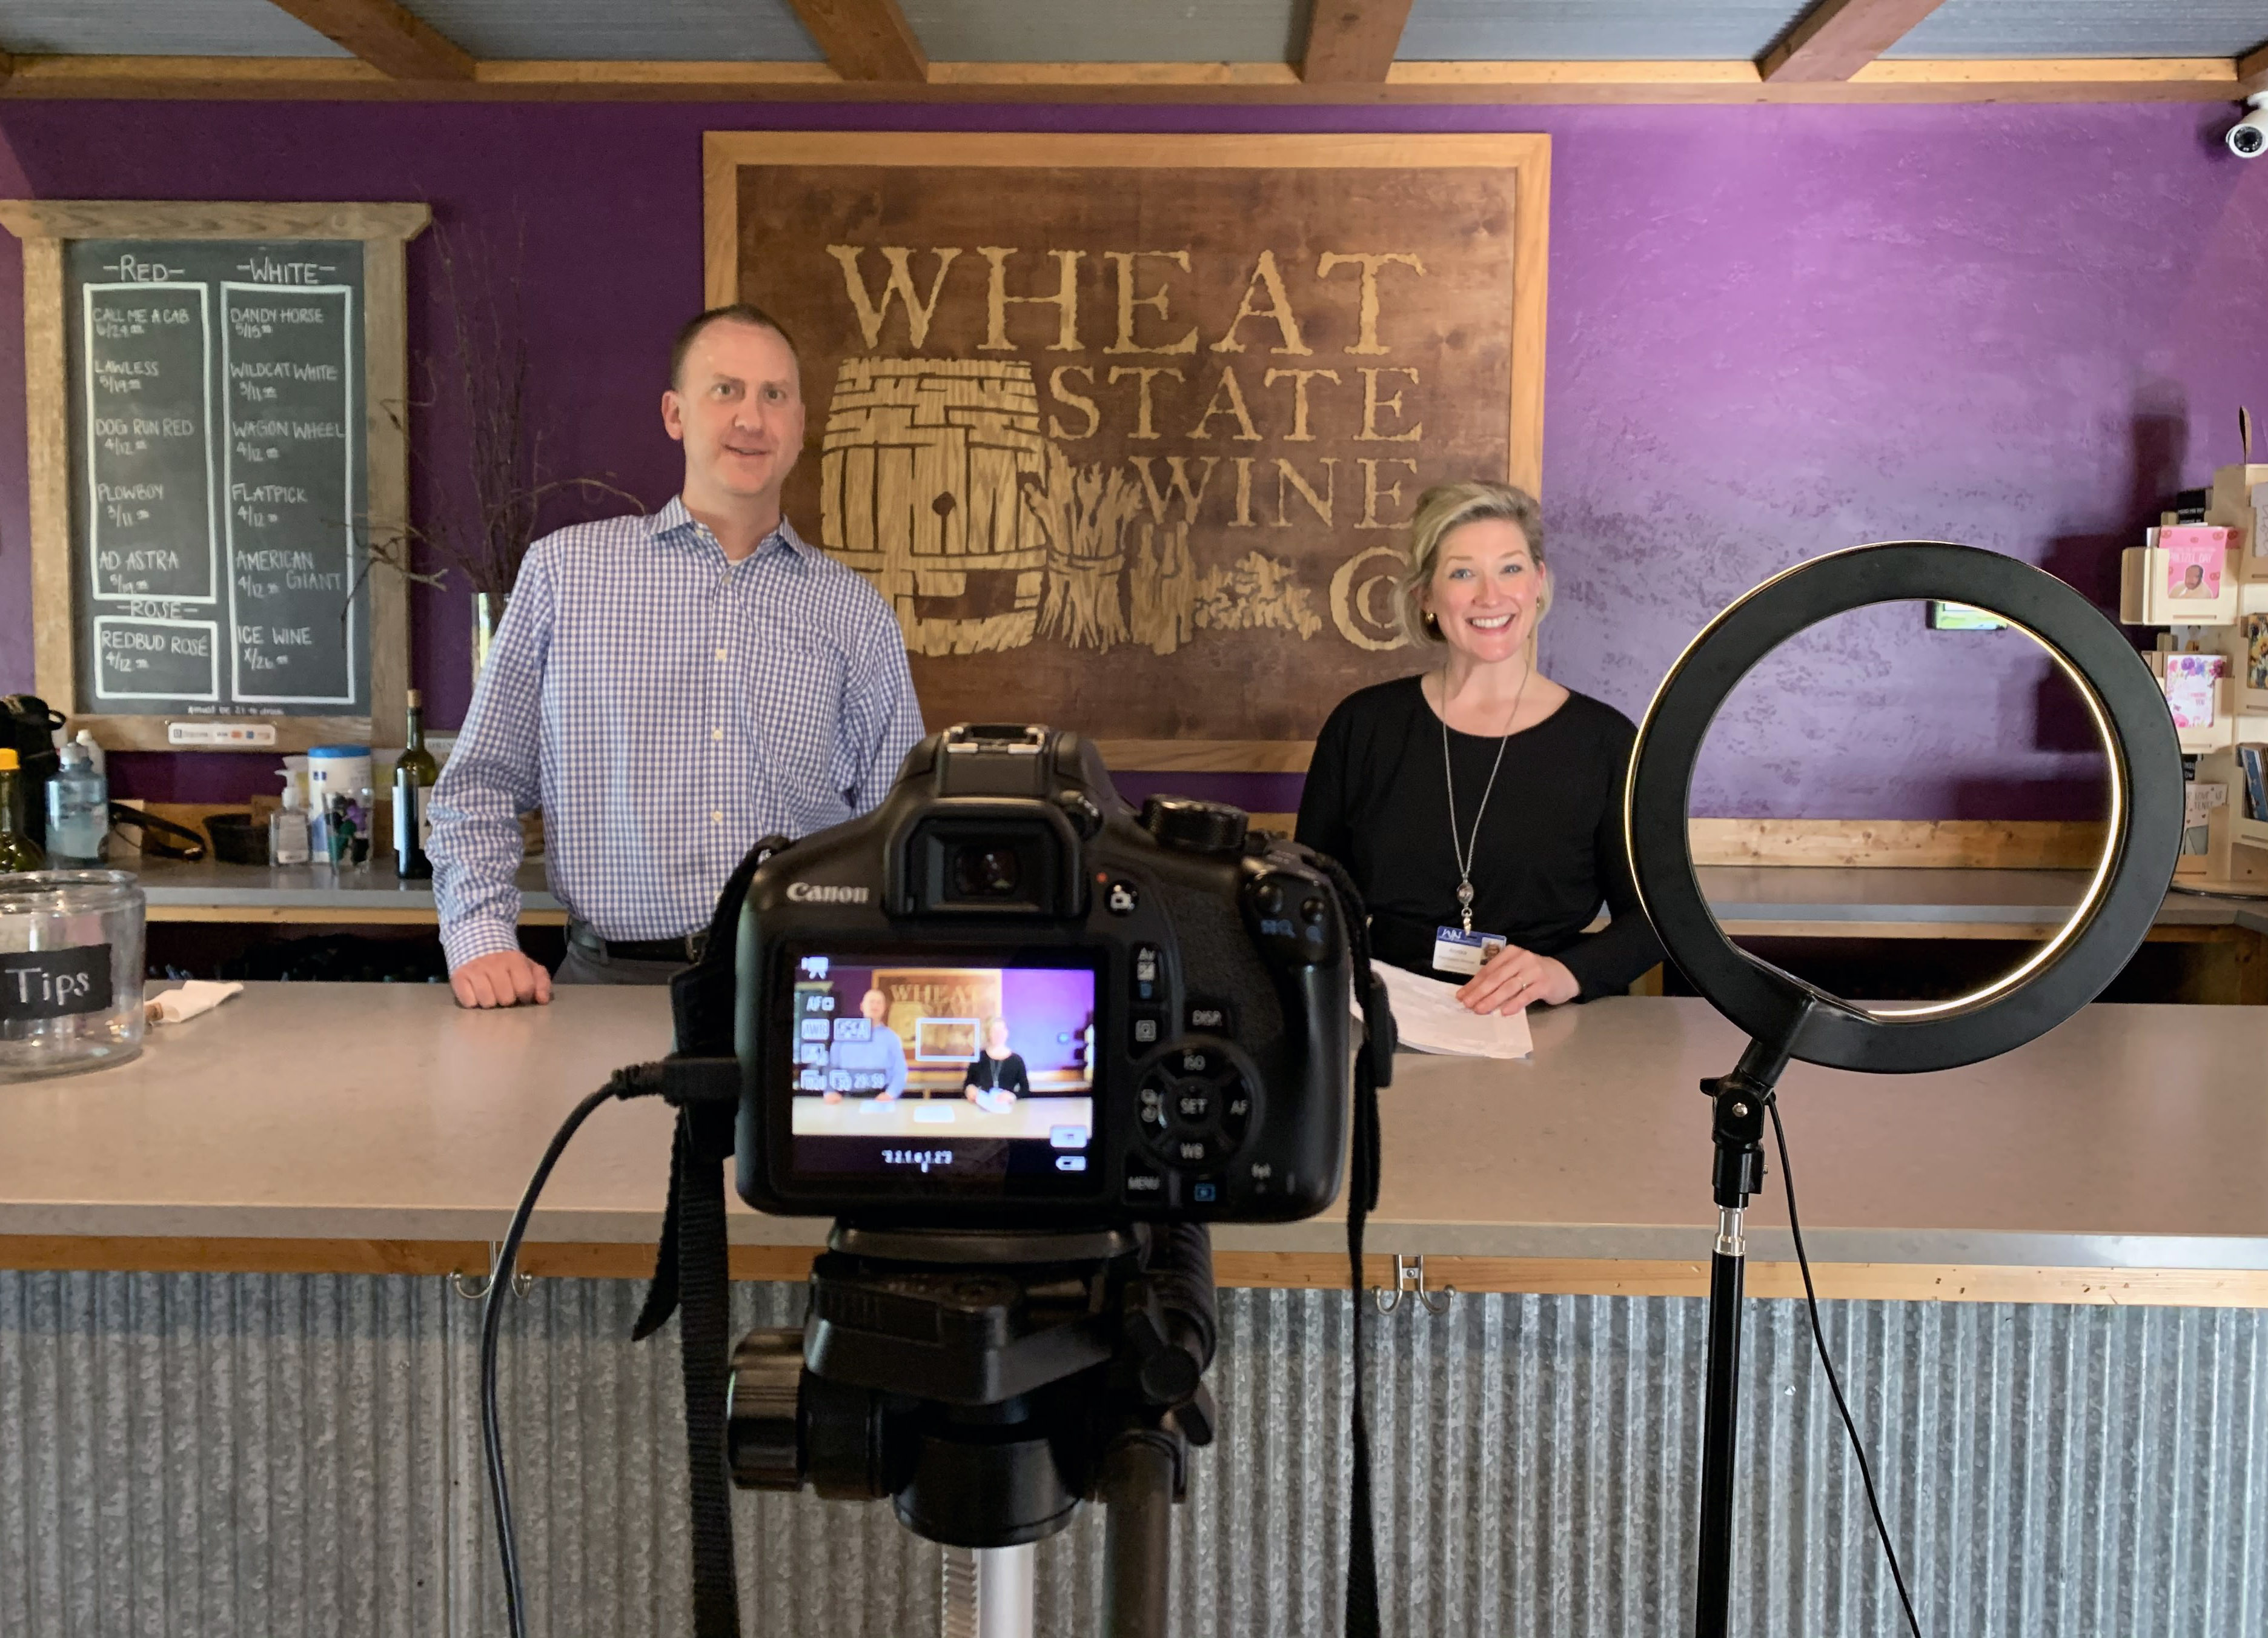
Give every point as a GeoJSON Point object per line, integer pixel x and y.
{"type": "Point", "coordinates": [987, 1383]}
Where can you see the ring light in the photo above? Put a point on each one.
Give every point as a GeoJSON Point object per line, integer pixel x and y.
{"type": "Point", "coordinates": [2070, 970]}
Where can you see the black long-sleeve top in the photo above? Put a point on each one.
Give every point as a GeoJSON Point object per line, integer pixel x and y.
{"type": "Point", "coordinates": [1550, 847]}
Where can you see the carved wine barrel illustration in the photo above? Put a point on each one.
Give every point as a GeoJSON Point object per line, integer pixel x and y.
{"type": "Point", "coordinates": [921, 475]}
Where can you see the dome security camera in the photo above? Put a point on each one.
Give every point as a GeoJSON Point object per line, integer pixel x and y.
{"type": "Point", "coordinates": [2248, 139]}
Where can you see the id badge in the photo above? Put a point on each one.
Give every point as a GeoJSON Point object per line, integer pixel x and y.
{"type": "Point", "coordinates": [1456, 950]}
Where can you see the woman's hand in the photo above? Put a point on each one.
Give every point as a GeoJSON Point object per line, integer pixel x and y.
{"type": "Point", "coordinates": [1514, 978]}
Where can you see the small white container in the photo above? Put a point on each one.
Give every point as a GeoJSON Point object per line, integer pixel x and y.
{"type": "Point", "coordinates": [70, 971]}
{"type": "Point", "coordinates": [336, 770]}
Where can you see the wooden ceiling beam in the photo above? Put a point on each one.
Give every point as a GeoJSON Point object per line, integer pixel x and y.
{"type": "Point", "coordinates": [1837, 37]}
{"type": "Point", "coordinates": [1353, 42]}
{"type": "Point", "coordinates": [1895, 79]}
{"type": "Point", "coordinates": [865, 40]}
{"type": "Point", "coordinates": [2252, 72]}
{"type": "Point", "coordinates": [393, 40]}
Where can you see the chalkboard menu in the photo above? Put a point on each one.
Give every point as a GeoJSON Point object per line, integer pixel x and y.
{"type": "Point", "coordinates": [220, 476]}
{"type": "Point", "coordinates": [227, 450]}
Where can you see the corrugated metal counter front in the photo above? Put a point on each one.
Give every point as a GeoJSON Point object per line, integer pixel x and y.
{"type": "Point", "coordinates": [236, 1397]}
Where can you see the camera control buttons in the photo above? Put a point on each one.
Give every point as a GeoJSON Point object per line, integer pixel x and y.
{"type": "Point", "coordinates": [1121, 898]}
{"type": "Point", "coordinates": [1202, 1061]}
{"type": "Point", "coordinates": [1236, 1115]}
{"type": "Point", "coordinates": [1149, 976]}
{"type": "Point", "coordinates": [1193, 1151]}
{"type": "Point", "coordinates": [1144, 1182]}
{"type": "Point", "coordinates": [1203, 1015]}
{"type": "Point", "coordinates": [1149, 1029]}
{"type": "Point", "coordinates": [1194, 1102]}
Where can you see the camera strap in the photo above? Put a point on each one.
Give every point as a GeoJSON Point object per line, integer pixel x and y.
{"type": "Point", "coordinates": [1373, 1068]}
{"type": "Point", "coordinates": [692, 1275]}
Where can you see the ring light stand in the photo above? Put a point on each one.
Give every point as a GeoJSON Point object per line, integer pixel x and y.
{"type": "Point", "coordinates": [1786, 1018]}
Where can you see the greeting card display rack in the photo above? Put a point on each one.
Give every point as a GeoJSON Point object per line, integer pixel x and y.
{"type": "Point", "coordinates": [2233, 624]}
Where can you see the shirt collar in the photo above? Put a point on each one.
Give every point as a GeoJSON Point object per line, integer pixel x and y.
{"type": "Point", "coordinates": [678, 526]}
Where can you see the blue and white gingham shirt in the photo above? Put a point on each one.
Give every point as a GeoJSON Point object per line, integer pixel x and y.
{"type": "Point", "coordinates": [665, 709]}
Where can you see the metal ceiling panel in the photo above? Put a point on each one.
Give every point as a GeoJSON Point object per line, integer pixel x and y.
{"type": "Point", "coordinates": [2087, 28]}
{"type": "Point", "coordinates": [649, 31]}
{"type": "Point", "coordinates": [1108, 31]}
{"type": "Point", "coordinates": [1509, 31]}
{"type": "Point", "coordinates": [177, 28]}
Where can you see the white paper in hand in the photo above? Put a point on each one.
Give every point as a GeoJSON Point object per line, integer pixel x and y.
{"type": "Point", "coordinates": [1429, 1018]}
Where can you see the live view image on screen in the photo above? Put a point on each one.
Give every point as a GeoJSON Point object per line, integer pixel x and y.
{"type": "Point", "coordinates": [955, 1075]}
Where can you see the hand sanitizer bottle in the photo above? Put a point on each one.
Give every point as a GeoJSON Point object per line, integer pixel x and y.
{"type": "Point", "coordinates": [287, 828]}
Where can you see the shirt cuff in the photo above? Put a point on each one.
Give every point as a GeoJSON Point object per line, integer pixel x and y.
{"type": "Point", "coordinates": [470, 940]}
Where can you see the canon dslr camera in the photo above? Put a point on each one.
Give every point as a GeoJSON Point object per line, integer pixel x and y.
{"type": "Point", "coordinates": [1003, 998]}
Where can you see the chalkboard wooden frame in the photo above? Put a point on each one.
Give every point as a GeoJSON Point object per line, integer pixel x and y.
{"type": "Point", "coordinates": [732, 269]}
{"type": "Point", "coordinates": [46, 226]}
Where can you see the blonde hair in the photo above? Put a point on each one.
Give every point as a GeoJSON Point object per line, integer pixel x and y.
{"type": "Point", "coordinates": [1443, 509]}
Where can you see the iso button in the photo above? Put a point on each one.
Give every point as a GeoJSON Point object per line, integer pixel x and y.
{"type": "Point", "coordinates": [1203, 1063]}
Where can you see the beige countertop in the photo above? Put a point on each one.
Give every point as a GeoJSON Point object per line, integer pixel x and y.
{"type": "Point", "coordinates": [2133, 1138]}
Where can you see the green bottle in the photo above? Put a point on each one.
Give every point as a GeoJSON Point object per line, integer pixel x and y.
{"type": "Point", "coordinates": [17, 851]}
{"type": "Point", "coordinates": [413, 788]}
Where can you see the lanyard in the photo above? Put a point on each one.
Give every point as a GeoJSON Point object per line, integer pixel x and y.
{"type": "Point", "coordinates": [1463, 851]}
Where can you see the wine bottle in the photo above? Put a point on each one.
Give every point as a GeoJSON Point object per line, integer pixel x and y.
{"type": "Point", "coordinates": [413, 786]}
{"type": "Point", "coordinates": [17, 851]}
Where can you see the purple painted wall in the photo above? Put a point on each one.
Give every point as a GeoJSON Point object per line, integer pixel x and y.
{"type": "Point", "coordinates": [1773, 331]}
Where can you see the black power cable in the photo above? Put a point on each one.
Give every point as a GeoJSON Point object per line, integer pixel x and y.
{"type": "Point", "coordinates": [638, 1081]}
{"type": "Point", "coordinates": [1819, 1343]}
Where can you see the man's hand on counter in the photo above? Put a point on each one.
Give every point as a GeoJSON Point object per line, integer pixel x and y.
{"type": "Point", "coordinates": [506, 978]}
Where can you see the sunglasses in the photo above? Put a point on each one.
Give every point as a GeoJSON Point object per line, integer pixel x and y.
{"type": "Point", "coordinates": [155, 838]}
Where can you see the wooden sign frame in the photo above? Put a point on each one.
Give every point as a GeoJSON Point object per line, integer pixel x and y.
{"type": "Point", "coordinates": [1526, 156]}
{"type": "Point", "coordinates": [46, 226]}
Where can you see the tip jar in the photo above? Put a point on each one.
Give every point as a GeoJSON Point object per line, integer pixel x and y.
{"type": "Point", "coordinates": [70, 971]}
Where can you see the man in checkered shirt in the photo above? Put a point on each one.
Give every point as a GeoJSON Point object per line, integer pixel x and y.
{"type": "Point", "coordinates": [668, 690]}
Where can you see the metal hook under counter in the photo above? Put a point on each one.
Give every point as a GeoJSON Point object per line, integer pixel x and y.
{"type": "Point", "coordinates": [1410, 1281]}
{"type": "Point", "coordinates": [474, 1290]}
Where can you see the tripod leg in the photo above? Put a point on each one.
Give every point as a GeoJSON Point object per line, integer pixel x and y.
{"type": "Point", "coordinates": [988, 1591]}
{"type": "Point", "coordinates": [1712, 1586]}
{"type": "Point", "coordinates": [1138, 1541]}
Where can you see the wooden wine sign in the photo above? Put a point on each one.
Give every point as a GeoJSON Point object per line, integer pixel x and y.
{"type": "Point", "coordinates": [1128, 429]}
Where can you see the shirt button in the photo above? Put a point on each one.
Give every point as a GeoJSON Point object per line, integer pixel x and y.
{"type": "Point", "coordinates": [718, 817]}
{"type": "Point", "coordinates": [716, 734]}
{"type": "Point", "coordinates": [720, 654]}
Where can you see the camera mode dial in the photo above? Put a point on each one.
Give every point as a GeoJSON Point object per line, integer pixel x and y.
{"type": "Point", "coordinates": [1195, 827]}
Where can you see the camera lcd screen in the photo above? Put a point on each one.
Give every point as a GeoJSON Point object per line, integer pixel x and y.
{"type": "Point", "coordinates": [918, 1075]}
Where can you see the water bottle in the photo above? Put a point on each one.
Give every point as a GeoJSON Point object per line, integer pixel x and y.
{"type": "Point", "coordinates": [78, 809]}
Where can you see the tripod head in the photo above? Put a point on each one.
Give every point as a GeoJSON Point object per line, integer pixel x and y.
{"type": "Point", "coordinates": [983, 1381]}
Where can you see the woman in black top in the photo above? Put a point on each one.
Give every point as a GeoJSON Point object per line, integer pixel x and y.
{"type": "Point", "coordinates": [1482, 795]}
{"type": "Point", "coordinates": [996, 1070]}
